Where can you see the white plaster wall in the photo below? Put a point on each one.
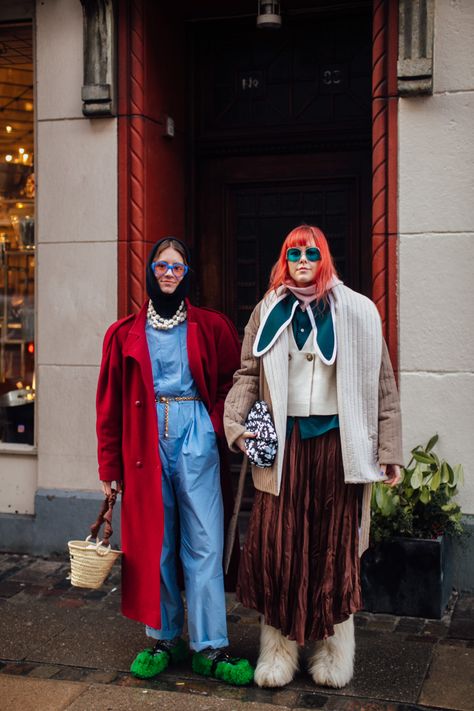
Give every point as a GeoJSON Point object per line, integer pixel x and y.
{"type": "Point", "coordinates": [58, 59]}
{"type": "Point", "coordinates": [454, 56]}
{"type": "Point", "coordinates": [78, 286]}
{"type": "Point", "coordinates": [77, 162]}
{"type": "Point", "coordinates": [67, 442]}
{"type": "Point", "coordinates": [18, 474]}
{"type": "Point", "coordinates": [436, 254]}
{"type": "Point", "coordinates": [436, 157]}
{"type": "Point", "coordinates": [436, 300]}
{"type": "Point", "coordinates": [77, 251]}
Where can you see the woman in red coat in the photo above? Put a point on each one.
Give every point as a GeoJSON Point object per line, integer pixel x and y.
{"type": "Point", "coordinates": [164, 377]}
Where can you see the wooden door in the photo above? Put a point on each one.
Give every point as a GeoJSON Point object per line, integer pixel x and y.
{"type": "Point", "coordinates": [282, 129]}
{"type": "Point", "coordinates": [246, 208]}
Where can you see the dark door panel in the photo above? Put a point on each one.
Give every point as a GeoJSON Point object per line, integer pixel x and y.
{"type": "Point", "coordinates": [247, 206]}
{"type": "Point", "coordinates": [260, 216]}
{"type": "Point", "coordinates": [281, 135]}
{"type": "Point", "coordinates": [314, 74]}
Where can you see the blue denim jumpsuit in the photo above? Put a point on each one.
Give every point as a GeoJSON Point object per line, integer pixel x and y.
{"type": "Point", "coordinates": [192, 500]}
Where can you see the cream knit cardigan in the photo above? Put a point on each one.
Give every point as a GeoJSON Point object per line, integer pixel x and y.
{"type": "Point", "coordinates": [368, 405]}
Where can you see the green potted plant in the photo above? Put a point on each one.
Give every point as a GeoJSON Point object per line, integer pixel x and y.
{"type": "Point", "coordinates": [407, 569]}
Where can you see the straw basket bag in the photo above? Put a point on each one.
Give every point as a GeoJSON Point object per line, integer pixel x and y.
{"type": "Point", "coordinates": [91, 562]}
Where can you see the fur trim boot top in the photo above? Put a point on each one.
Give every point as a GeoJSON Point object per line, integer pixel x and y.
{"type": "Point", "coordinates": [278, 659]}
{"type": "Point", "coordinates": [332, 661]}
{"type": "Point", "coordinates": [330, 664]}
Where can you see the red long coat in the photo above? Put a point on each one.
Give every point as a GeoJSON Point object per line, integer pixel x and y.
{"type": "Point", "coordinates": [127, 433]}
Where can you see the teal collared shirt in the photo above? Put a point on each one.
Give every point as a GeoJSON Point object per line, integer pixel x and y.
{"type": "Point", "coordinates": [314, 425]}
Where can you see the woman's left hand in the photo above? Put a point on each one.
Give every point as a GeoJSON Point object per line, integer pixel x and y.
{"type": "Point", "coordinates": [393, 474]}
{"type": "Point", "coordinates": [107, 487]}
{"type": "Point", "coordinates": [240, 442]}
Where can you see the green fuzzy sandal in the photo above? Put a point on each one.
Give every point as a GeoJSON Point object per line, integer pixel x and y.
{"type": "Point", "coordinates": [153, 661]}
{"type": "Point", "coordinates": [220, 665]}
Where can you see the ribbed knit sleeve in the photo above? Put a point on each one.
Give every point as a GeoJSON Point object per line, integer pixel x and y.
{"type": "Point", "coordinates": [245, 388]}
{"type": "Point", "coordinates": [390, 424]}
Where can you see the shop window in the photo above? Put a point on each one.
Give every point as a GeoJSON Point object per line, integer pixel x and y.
{"type": "Point", "coordinates": [17, 240]}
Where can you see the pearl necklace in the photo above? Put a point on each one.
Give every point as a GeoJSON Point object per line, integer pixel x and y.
{"type": "Point", "coordinates": [163, 324]}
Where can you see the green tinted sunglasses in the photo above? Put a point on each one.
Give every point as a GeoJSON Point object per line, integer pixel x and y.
{"type": "Point", "coordinates": [312, 254]}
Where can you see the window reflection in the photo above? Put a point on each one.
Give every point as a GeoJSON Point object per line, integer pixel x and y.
{"type": "Point", "coordinates": [17, 241]}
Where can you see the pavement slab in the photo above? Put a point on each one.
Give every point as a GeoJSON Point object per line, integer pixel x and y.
{"type": "Point", "coordinates": [450, 681]}
{"type": "Point", "coordinates": [464, 607]}
{"type": "Point", "coordinates": [412, 625]}
{"type": "Point", "coordinates": [462, 620]}
{"type": "Point", "coordinates": [8, 565]}
{"type": "Point", "coordinates": [27, 629]}
{"type": "Point", "coordinates": [462, 628]}
{"type": "Point", "coordinates": [387, 667]}
{"type": "Point", "coordinates": [92, 637]}
{"type": "Point", "coordinates": [126, 699]}
{"type": "Point", "coordinates": [436, 628]}
{"type": "Point", "coordinates": [38, 571]}
{"type": "Point", "coordinates": [37, 694]}
{"type": "Point", "coordinates": [9, 588]}
{"type": "Point", "coordinates": [44, 671]}
{"type": "Point", "coordinates": [338, 704]}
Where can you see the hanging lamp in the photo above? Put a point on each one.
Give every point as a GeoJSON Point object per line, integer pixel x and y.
{"type": "Point", "coordinates": [268, 15]}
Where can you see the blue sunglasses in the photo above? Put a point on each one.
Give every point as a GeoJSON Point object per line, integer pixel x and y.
{"type": "Point", "coordinates": [178, 269]}
{"type": "Point", "coordinates": [312, 254]}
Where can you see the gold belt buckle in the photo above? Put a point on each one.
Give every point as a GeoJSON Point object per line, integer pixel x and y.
{"type": "Point", "coordinates": [166, 400]}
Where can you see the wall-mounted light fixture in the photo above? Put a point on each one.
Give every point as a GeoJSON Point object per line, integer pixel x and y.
{"type": "Point", "coordinates": [268, 15]}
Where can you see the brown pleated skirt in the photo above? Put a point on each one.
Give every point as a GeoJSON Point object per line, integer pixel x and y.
{"type": "Point", "coordinates": [300, 562]}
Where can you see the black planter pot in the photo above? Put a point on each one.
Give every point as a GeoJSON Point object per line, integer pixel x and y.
{"type": "Point", "coordinates": [408, 577]}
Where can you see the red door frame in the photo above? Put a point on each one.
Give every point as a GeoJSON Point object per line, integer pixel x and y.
{"type": "Point", "coordinates": [384, 169]}
{"type": "Point", "coordinates": [131, 156]}
{"type": "Point", "coordinates": [132, 193]}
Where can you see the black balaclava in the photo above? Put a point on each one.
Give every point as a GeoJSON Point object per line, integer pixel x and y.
{"type": "Point", "coordinates": [166, 305]}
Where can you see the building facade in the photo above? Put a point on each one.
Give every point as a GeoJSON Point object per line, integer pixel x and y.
{"type": "Point", "coordinates": [355, 116]}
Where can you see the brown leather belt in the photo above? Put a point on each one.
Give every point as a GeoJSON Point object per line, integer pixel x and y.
{"type": "Point", "coordinates": [166, 399]}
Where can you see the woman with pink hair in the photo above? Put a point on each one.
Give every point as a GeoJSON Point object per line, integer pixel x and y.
{"type": "Point", "coordinates": [314, 352]}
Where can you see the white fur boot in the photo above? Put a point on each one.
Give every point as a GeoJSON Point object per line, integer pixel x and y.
{"type": "Point", "coordinates": [278, 659]}
{"type": "Point", "coordinates": [332, 661]}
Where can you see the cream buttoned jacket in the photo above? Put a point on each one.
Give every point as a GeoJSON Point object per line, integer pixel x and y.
{"type": "Point", "coordinates": [312, 387]}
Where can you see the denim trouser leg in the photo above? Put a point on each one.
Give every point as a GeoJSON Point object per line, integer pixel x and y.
{"type": "Point", "coordinates": [192, 499]}
{"type": "Point", "coordinates": [171, 604]}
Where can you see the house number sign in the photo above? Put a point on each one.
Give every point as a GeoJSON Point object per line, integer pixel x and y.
{"type": "Point", "coordinates": [333, 78]}
{"type": "Point", "coordinates": [250, 83]}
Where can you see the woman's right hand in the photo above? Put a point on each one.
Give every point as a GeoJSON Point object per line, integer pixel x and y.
{"type": "Point", "coordinates": [107, 487]}
{"type": "Point", "coordinates": [240, 442]}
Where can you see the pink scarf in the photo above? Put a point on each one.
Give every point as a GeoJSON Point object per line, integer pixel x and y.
{"type": "Point", "coordinates": [304, 294]}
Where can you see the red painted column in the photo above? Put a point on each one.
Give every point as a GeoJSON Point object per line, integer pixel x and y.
{"type": "Point", "coordinates": [151, 167]}
{"type": "Point", "coordinates": [384, 169]}
{"type": "Point", "coordinates": [131, 150]}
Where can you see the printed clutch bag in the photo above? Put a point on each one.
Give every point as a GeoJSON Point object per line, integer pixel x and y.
{"type": "Point", "coordinates": [262, 449]}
